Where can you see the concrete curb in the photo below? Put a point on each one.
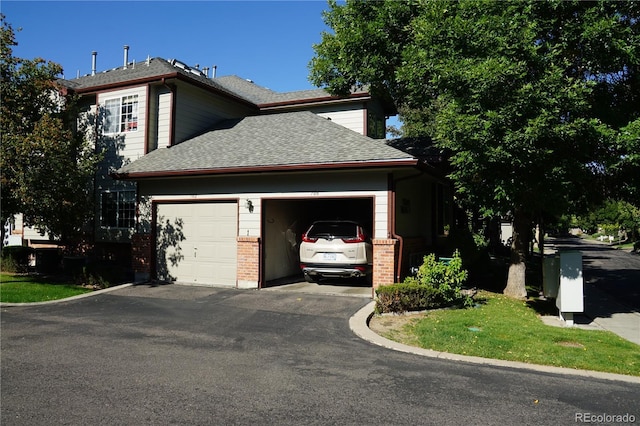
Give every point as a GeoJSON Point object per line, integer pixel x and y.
{"type": "Point", "coordinates": [68, 299]}
{"type": "Point", "coordinates": [359, 325]}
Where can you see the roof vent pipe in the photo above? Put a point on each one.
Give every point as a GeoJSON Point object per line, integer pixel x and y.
{"type": "Point", "coordinates": [213, 72]}
{"type": "Point", "coordinates": [126, 56]}
{"type": "Point", "coordinates": [205, 70]}
{"type": "Point", "coordinates": [94, 56]}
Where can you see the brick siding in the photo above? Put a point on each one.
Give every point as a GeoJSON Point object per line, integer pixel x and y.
{"type": "Point", "coordinates": [384, 260]}
{"type": "Point", "coordinates": [141, 253]}
{"type": "Point", "coordinates": [248, 259]}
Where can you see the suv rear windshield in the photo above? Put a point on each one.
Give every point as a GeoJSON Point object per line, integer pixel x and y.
{"type": "Point", "coordinates": [334, 229]}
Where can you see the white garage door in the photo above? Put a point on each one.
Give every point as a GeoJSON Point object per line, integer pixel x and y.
{"type": "Point", "coordinates": [196, 242]}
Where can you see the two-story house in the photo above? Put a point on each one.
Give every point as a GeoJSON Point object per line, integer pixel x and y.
{"type": "Point", "coordinates": [211, 180]}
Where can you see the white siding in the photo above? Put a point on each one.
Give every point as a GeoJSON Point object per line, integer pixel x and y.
{"type": "Point", "coordinates": [27, 233]}
{"type": "Point", "coordinates": [303, 186]}
{"type": "Point", "coordinates": [348, 117]}
{"type": "Point", "coordinates": [197, 111]}
{"type": "Point", "coordinates": [164, 120]}
{"type": "Point", "coordinates": [127, 146]}
{"type": "Point", "coordinates": [120, 149]}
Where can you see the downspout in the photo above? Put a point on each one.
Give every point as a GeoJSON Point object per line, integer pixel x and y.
{"type": "Point", "coordinates": [260, 264]}
{"type": "Point", "coordinates": [392, 218]}
{"type": "Point", "coordinates": [153, 262]}
{"type": "Point", "coordinates": [391, 191]}
{"type": "Point", "coordinates": [97, 208]}
{"type": "Point", "coordinates": [147, 124]}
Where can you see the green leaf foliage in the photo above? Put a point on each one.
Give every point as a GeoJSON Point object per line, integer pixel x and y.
{"type": "Point", "coordinates": [47, 164]}
{"type": "Point", "coordinates": [447, 277]}
{"type": "Point", "coordinates": [407, 296]}
{"type": "Point", "coordinates": [536, 102]}
{"type": "Point", "coordinates": [437, 284]}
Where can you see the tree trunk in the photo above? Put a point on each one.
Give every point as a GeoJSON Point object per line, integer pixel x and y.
{"type": "Point", "coordinates": [517, 268]}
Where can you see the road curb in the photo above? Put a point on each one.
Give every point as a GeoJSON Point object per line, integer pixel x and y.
{"type": "Point", "coordinates": [68, 299]}
{"type": "Point", "coordinates": [359, 325]}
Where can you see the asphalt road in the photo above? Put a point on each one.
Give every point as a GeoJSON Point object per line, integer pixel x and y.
{"type": "Point", "coordinates": [191, 355]}
{"type": "Point", "coordinates": [616, 272]}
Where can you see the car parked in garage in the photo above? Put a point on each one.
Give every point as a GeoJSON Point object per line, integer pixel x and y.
{"type": "Point", "coordinates": [336, 249]}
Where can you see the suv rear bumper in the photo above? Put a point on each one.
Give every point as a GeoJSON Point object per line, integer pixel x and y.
{"type": "Point", "coordinates": [337, 271]}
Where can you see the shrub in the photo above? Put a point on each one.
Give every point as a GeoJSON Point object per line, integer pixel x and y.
{"type": "Point", "coordinates": [447, 278]}
{"type": "Point", "coordinates": [473, 247]}
{"type": "Point", "coordinates": [407, 296]}
{"type": "Point", "coordinates": [437, 284]}
{"type": "Point", "coordinates": [16, 258]}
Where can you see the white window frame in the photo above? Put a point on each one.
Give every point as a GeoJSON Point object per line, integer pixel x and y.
{"type": "Point", "coordinates": [126, 110]}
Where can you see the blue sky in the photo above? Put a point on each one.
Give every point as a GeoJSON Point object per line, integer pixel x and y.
{"type": "Point", "coordinates": [269, 42]}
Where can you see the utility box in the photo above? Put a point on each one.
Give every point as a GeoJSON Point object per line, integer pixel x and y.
{"type": "Point", "coordinates": [570, 297]}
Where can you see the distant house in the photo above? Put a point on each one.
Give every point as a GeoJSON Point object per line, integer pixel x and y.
{"type": "Point", "coordinates": [213, 180]}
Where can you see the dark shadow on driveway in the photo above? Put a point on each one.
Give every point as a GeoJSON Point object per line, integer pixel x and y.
{"type": "Point", "coordinates": [614, 274]}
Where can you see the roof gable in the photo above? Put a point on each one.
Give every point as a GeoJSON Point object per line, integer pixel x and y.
{"type": "Point", "coordinates": [158, 68]}
{"type": "Point", "coordinates": [296, 140]}
{"type": "Point", "coordinates": [263, 96]}
{"type": "Point", "coordinates": [146, 71]}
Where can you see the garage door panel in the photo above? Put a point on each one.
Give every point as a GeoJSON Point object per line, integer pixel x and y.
{"type": "Point", "coordinates": [216, 250]}
{"type": "Point", "coordinates": [196, 242]}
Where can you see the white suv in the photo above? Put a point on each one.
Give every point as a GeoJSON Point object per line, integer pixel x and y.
{"type": "Point", "coordinates": [335, 249]}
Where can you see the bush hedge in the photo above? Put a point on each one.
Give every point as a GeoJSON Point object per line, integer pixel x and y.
{"type": "Point", "coordinates": [16, 258]}
{"type": "Point", "coordinates": [436, 284]}
{"type": "Point", "coordinates": [409, 296]}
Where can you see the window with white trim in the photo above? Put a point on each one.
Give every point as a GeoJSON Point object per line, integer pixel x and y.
{"type": "Point", "coordinates": [118, 209]}
{"type": "Point", "coordinates": [121, 114]}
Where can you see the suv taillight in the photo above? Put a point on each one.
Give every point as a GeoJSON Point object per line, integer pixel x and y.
{"type": "Point", "coordinates": [360, 238]}
{"type": "Point", "coordinates": [308, 239]}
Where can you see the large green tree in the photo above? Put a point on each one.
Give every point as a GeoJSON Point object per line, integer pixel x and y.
{"type": "Point", "coordinates": [46, 162]}
{"type": "Point", "coordinates": [537, 102]}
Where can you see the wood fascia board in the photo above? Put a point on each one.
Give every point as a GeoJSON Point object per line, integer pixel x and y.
{"type": "Point", "coordinates": [262, 169]}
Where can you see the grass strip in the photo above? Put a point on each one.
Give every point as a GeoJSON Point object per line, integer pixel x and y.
{"type": "Point", "coordinates": [27, 289]}
{"type": "Point", "coordinates": [503, 328]}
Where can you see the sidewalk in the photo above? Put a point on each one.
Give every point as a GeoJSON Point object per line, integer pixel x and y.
{"type": "Point", "coordinates": [603, 312]}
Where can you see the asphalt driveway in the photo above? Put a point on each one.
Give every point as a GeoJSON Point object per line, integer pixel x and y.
{"type": "Point", "coordinates": [194, 355]}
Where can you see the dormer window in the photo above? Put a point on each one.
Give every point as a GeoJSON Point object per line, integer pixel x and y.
{"type": "Point", "coordinates": [121, 114]}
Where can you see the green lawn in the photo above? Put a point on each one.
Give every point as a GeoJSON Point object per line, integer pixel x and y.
{"type": "Point", "coordinates": [503, 328]}
{"type": "Point", "coordinates": [24, 288]}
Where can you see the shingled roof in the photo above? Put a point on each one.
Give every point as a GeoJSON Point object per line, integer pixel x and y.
{"type": "Point", "coordinates": [234, 86]}
{"type": "Point", "coordinates": [263, 96]}
{"type": "Point", "coordinates": [285, 141]}
{"type": "Point", "coordinates": [152, 69]}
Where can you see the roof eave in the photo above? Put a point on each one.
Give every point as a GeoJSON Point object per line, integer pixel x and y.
{"type": "Point", "coordinates": [324, 100]}
{"type": "Point", "coordinates": [407, 162]}
{"type": "Point", "coordinates": [135, 82]}
{"type": "Point", "coordinates": [160, 79]}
